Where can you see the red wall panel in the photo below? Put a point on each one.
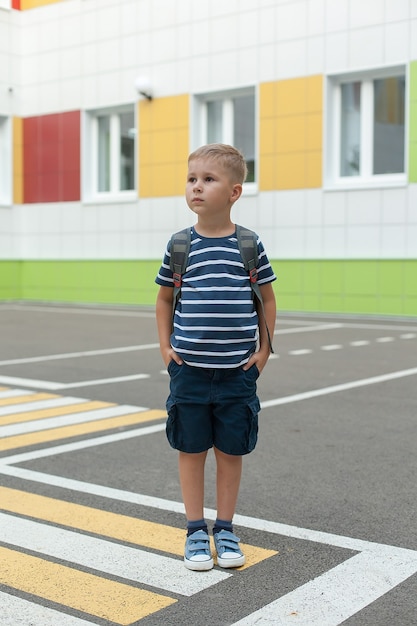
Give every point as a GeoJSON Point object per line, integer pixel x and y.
{"type": "Point", "coordinates": [51, 158]}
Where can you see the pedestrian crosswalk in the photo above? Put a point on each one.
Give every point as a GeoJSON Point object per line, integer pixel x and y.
{"type": "Point", "coordinates": [28, 418]}
{"type": "Point", "coordinates": [68, 563]}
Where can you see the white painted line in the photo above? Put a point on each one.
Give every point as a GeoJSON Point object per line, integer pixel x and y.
{"type": "Point", "coordinates": [308, 329]}
{"type": "Point", "coordinates": [79, 355]}
{"type": "Point", "coordinates": [30, 382]}
{"type": "Point", "coordinates": [81, 311]}
{"type": "Point", "coordinates": [39, 404]}
{"type": "Point", "coordinates": [80, 445]}
{"type": "Point", "coordinates": [299, 352]}
{"type": "Point", "coordinates": [15, 393]}
{"type": "Point", "coordinates": [134, 564]}
{"type": "Point", "coordinates": [342, 387]}
{"type": "Point", "coordinates": [408, 336]}
{"type": "Point", "coordinates": [384, 339]}
{"type": "Point", "coordinates": [359, 342]}
{"type": "Point", "coordinates": [105, 381]}
{"type": "Point", "coordinates": [72, 419]}
{"type": "Point", "coordinates": [341, 592]}
{"type": "Point", "coordinates": [333, 346]}
{"type": "Point", "coordinates": [15, 611]}
{"type": "Point", "coordinates": [53, 386]}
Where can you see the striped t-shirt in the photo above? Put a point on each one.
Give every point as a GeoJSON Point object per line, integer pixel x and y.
{"type": "Point", "coordinates": [215, 322]}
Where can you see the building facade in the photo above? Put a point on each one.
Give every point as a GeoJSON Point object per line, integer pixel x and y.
{"type": "Point", "coordinates": [101, 102]}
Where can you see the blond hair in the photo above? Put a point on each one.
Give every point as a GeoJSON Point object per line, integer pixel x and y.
{"type": "Point", "coordinates": [230, 159]}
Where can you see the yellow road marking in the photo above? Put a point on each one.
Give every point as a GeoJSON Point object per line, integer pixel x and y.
{"type": "Point", "coordinates": [121, 527]}
{"type": "Point", "coordinates": [109, 600]}
{"type": "Point", "coordinates": [53, 434]}
{"type": "Point", "coordinates": [33, 397]}
{"type": "Point", "coordinates": [27, 416]}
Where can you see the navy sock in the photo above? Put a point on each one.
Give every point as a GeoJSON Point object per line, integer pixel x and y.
{"type": "Point", "coordinates": [194, 525]}
{"type": "Point", "coordinates": [221, 524]}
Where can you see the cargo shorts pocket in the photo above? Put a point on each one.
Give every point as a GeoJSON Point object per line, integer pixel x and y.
{"type": "Point", "coordinates": [171, 427]}
{"type": "Point", "coordinates": [253, 407]}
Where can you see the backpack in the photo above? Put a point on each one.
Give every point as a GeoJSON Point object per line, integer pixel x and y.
{"type": "Point", "coordinates": [248, 248]}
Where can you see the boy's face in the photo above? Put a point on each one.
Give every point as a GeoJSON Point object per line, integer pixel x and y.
{"type": "Point", "coordinates": [209, 188]}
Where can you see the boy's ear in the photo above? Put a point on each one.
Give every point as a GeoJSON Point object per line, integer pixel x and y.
{"type": "Point", "coordinates": [236, 192]}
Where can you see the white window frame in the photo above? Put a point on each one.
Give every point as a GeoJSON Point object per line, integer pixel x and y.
{"type": "Point", "coordinates": [90, 182]}
{"type": "Point", "coordinates": [6, 160]}
{"type": "Point", "coordinates": [366, 179]}
{"type": "Point", "coordinates": [200, 123]}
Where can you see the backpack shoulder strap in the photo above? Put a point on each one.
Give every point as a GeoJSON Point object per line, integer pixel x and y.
{"type": "Point", "coordinates": [247, 241]}
{"type": "Point", "coordinates": [179, 250]}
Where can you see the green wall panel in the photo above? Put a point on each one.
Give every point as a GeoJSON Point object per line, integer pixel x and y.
{"type": "Point", "coordinates": [412, 152]}
{"type": "Point", "coordinates": [339, 286]}
{"type": "Point", "coordinates": [10, 280]}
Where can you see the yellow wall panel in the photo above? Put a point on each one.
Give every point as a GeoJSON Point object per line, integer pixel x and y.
{"type": "Point", "coordinates": [17, 160]}
{"type": "Point", "coordinates": [314, 94]}
{"type": "Point", "coordinates": [267, 172]}
{"type": "Point", "coordinates": [291, 134]}
{"type": "Point", "coordinates": [34, 4]}
{"type": "Point", "coordinates": [267, 132]}
{"type": "Point", "coordinates": [163, 146]}
{"type": "Point", "coordinates": [291, 96]}
{"type": "Point", "coordinates": [314, 138]}
{"type": "Point", "coordinates": [314, 169]}
{"type": "Point", "coordinates": [291, 171]}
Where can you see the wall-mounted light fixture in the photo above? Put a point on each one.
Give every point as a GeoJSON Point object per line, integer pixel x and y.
{"type": "Point", "coordinates": [143, 87]}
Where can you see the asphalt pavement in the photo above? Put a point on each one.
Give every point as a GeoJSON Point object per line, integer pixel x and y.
{"type": "Point", "coordinates": [91, 520]}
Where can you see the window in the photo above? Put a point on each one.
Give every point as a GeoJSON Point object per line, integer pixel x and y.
{"type": "Point", "coordinates": [110, 151]}
{"type": "Point", "coordinates": [229, 118]}
{"type": "Point", "coordinates": [5, 161]}
{"type": "Point", "coordinates": [366, 130]}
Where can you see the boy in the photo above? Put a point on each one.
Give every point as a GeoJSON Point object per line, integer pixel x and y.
{"type": "Point", "coordinates": [212, 353]}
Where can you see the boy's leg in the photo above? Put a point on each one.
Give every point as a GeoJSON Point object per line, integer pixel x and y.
{"type": "Point", "coordinates": [229, 472]}
{"type": "Point", "coordinates": [191, 471]}
{"type": "Point", "coordinates": [197, 554]}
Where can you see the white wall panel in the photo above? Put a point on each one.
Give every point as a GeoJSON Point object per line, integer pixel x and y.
{"type": "Point", "coordinates": [397, 42]}
{"type": "Point", "coordinates": [363, 242]}
{"type": "Point", "coordinates": [366, 13]}
{"type": "Point", "coordinates": [366, 47]}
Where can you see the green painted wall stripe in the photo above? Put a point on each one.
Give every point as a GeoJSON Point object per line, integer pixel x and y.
{"type": "Point", "coordinates": [386, 287]}
{"type": "Point", "coordinates": [412, 152]}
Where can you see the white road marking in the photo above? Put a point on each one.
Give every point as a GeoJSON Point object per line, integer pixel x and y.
{"type": "Point", "coordinates": [384, 339]}
{"type": "Point", "coordinates": [103, 555]}
{"type": "Point", "coordinates": [39, 404]}
{"type": "Point", "coordinates": [53, 386]}
{"type": "Point", "coordinates": [332, 346]}
{"type": "Point", "coordinates": [359, 342]}
{"type": "Point", "coordinates": [80, 445]}
{"type": "Point", "coordinates": [339, 593]}
{"type": "Point", "coordinates": [299, 352]}
{"type": "Point", "coordinates": [342, 387]}
{"type": "Point", "coordinates": [79, 355]}
{"type": "Point", "coordinates": [307, 329]}
{"type": "Point", "coordinates": [82, 417]}
{"type": "Point", "coordinates": [15, 611]}
{"type": "Point", "coordinates": [408, 336]}
{"type": "Point", "coordinates": [15, 393]}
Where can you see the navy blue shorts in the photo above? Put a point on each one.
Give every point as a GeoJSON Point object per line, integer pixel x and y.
{"type": "Point", "coordinates": [212, 407]}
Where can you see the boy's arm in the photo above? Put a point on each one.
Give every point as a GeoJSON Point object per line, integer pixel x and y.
{"type": "Point", "coordinates": [261, 356]}
{"type": "Point", "coordinates": [164, 324]}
